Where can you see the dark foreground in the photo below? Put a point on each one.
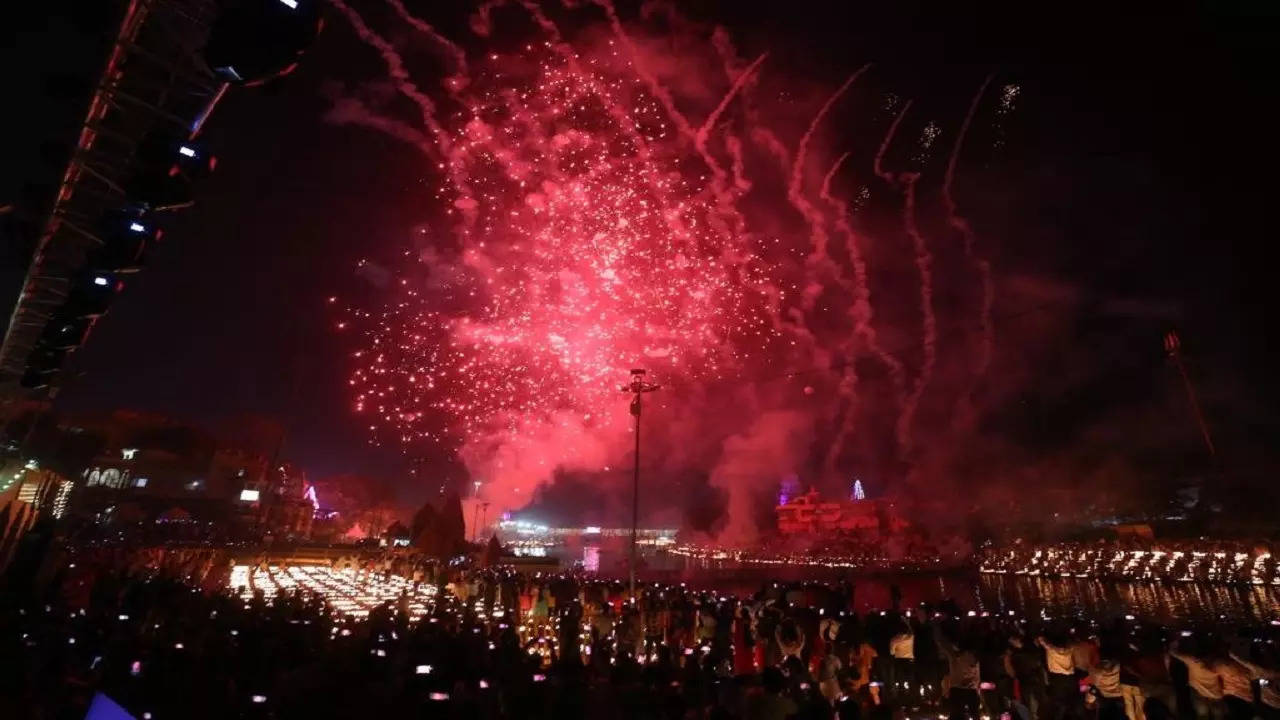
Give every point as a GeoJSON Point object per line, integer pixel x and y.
{"type": "Point", "coordinates": [162, 636]}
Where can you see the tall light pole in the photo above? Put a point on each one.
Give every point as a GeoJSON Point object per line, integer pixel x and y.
{"type": "Point", "coordinates": [637, 388]}
{"type": "Point", "coordinates": [475, 515]}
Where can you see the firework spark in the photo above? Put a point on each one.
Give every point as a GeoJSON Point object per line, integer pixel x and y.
{"type": "Point", "coordinates": [906, 182]}
{"type": "Point", "coordinates": [589, 254]}
{"type": "Point", "coordinates": [597, 220]}
{"type": "Point", "coordinates": [981, 264]}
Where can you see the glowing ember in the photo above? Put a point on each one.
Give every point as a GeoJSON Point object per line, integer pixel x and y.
{"type": "Point", "coordinates": [592, 224]}
{"type": "Point", "coordinates": [584, 253]}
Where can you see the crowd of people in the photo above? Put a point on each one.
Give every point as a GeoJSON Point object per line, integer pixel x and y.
{"type": "Point", "coordinates": [163, 634]}
{"type": "Point", "coordinates": [1136, 559]}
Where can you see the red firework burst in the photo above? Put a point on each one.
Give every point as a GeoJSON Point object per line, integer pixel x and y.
{"type": "Point", "coordinates": [588, 243]}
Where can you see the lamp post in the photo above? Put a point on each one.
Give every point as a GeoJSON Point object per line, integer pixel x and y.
{"type": "Point", "coordinates": [637, 387]}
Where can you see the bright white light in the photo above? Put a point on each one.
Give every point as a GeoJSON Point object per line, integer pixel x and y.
{"type": "Point", "coordinates": [248, 496]}
{"type": "Point", "coordinates": [291, 4]}
{"type": "Point", "coordinates": [101, 281]}
{"type": "Point", "coordinates": [186, 151]}
{"type": "Point", "coordinates": [137, 227]}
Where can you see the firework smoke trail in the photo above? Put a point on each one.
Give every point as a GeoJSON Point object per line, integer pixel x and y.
{"type": "Point", "coordinates": [588, 254]}
{"type": "Point", "coordinates": [819, 259]}
{"type": "Point", "coordinates": [654, 86]}
{"type": "Point", "coordinates": [742, 76]}
{"type": "Point", "coordinates": [350, 111]}
{"type": "Point", "coordinates": [847, 389]}
{"type": "Point", "coordinates": [481, 22]}
{"type": "Point", "coordinates": [848, 386]}
{"type": "Point", "coordinates": [929, 320]}
{"type": "Point", "coordinates": [728, 54]}
{"type": "Point", "coordinates": [953, 215]}
{"type": "Point", "coordinates": [651, 82]}
{"type": "Point", "coordinates": [615, 110]}
{"type": "Point", "coordinates": [877, 163]}
{"type": "Point", "coordinates": [727, 214]}
{"type": "Point", "coordinates": [727, 220]}
{"type": "Point", "coordinates": [792, 319]}
{"type": "Point", "coordinates": [738, 84]}
{"type": "Point", "coordinates": [924, 261]}
{"type": "Point", "coordinates": [610, 231]}
{"type": "Point", "coordinates": [819, 262]}
{"type": "Point", "coordinates": [455, 53]}
{"type": "Point", "coordinates": [396, 69]}
{"type": "Point", "coordinates": [736, 163]}
{"type": "Point", "coordinates": [862, 311]}
{"type": "Point", "coordinates": [981, 264]}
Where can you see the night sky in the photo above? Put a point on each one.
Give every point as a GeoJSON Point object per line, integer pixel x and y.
{"type": "Point", "coordinates": [1139, 173]}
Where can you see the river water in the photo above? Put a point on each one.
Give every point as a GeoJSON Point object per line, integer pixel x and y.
{"type": "Point", "coordinates": [1171, 603]}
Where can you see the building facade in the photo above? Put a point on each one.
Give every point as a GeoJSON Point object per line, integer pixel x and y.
{"type": "Point", "coordinates": [809, 514]}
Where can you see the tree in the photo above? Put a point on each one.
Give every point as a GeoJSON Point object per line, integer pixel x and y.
{"type": "Point", "coordinates": [396, 531]}
{"type": "Point", "coordinates": [441, 533]}
{"type": "Point", "coordinates": [492, 553]}
{"type": "Point", "coordinates": [375, 519]}
{"type": "Point", "coordinates": [453, 527]}
{"type": "Point", "coordinates": [423, 529]}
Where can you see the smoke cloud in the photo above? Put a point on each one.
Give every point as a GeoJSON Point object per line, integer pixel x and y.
{"type": "Point", "coordinates": [818, 294]}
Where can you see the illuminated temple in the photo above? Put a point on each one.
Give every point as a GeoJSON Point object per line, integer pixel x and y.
{"type": "Point", "coordinates": [810, 514]}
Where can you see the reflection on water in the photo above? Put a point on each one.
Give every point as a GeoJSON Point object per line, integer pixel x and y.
{"type": "Point", "coordinates": [1171, 603]}
{"type": "Point", "coordinates": [1161, 602]}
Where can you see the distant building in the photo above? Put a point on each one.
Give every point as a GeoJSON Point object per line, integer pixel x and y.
{"type": "Point", "coordinates": [809, 514]}
{"type": "Point", "coordinates": [25, 492]}
{"type": "Point", "coordinates": [233, 471]}
{"type": "Point", "coordinates": [287, 504]}
{"type": "Point", "coordinates": [151, 468]}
